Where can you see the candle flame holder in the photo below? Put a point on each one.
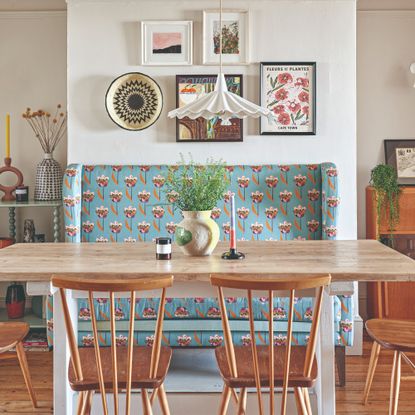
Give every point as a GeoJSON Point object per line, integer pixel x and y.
{"type": "Point", "coordinates": [233, 254]}
{"type": "Point", "coordinates": [8, 190]}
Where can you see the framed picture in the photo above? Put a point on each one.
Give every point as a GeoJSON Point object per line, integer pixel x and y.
{"type": "Point", "coordinates": [289, 89]}
{"type": "Point", "coordinates": [235, 37]}
{"type": "Point", "coordinates": [166, 42]}
{"type": "Point", "coordinates": [189, 88]}
{"type": "Point", "coordinates": [401, 155]}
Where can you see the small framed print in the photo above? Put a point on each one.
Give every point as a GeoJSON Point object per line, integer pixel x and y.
{"type": "Point", "coordinates": [401, 155]}
{"type": "Point", "coordinates": [289, 90]}
{"type": "Point", "coordinates": [191, 87]}
{"type": "Point", "coordinates": [235, 37]}
{"type": "Point", "coordinates": [166, 42]}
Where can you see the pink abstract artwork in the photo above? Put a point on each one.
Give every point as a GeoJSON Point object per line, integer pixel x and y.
{"type": "Point", "coordinates": [167, 42]}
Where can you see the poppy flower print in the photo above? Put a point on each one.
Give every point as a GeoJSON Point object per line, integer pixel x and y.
{"type": "Point", "coordinates": [215, 213]}
{"type": "Point", "coordinates": [215, 340]}
{"type": "Point", "coordinates": [184, 340]}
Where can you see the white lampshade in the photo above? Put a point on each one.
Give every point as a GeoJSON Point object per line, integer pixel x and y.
{"type": "Point", "coordinates": [221, 103]}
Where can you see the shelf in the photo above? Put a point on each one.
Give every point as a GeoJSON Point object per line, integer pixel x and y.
{"type": "Point", "coordinates": [31, 203]}
{"type": "Point", "coordinates": [33, 321]}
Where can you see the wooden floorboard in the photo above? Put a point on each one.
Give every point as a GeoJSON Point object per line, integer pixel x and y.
{"type": "Point", "coordinates": [15, 400]}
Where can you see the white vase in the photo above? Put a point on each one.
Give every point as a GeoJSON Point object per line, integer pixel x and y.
{"type": "Point", "coordinates": [48, 179]}
{"type": "Point", "coordinates": [197, 234]}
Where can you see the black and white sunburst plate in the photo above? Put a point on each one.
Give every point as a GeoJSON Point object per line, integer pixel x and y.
{"type": "Point", "coordinates": [134, 101]}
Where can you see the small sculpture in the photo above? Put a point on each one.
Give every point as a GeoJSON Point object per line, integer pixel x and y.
{"type": "Point", "coordinates": [29, 231]}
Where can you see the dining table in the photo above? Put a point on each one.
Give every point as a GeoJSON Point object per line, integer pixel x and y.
{"type": "Point", "coordinates": [347, 262]}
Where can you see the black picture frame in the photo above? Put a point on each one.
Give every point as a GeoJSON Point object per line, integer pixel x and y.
{"type": "Point", "coordinates": [236, 122]}
{"type": "Point", "coordinates": [390, 147]}
{"type": "Point", "coordinates": [290, 130]}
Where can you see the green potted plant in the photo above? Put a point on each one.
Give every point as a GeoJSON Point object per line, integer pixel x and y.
{"type": "Point", "coordinates": [195, 189]}
{"type": "Point", "coordinates": [384, 179]}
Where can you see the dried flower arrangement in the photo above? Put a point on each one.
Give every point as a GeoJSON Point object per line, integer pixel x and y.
{"type": "Point", "coordinates": [48, 129]}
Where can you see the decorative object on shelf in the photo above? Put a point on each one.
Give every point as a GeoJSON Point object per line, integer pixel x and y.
{"type": "Point", "coordinates": [22, 194]}
{"type": "Point", "coordinates": [221, 102]}
{"type": "Point", "coordinates": [5, 242]}
{"type": "Point", "coordinates": [235, 37]}
{"type": "Point", "coordinates": [29, 231]}
{"type": "Point", "coordinates": [190, 88]}
{"type": "Point", "coordinates": [163, 248]}
{"type": "Point", "coordinates": [40, 238]}
{"type": "Point", "coordinates": [289, 90]}
{"type": "Point", "coordinates": [384, 180]}
{"type": "Point", "coordinates": [233, 253]}
{"type": "Point", "coordinates": [15, 301]}
{"type": "Point", "coordinates": [49, 130]}
{"type": "Point", "coordinates": [134, 101]}
{"type": "Point", "coordinates": [197, 189]}
{"type": "Point", "coordinates": [166, 42]}
{"type": "Point", "coordinates": [400, 154]}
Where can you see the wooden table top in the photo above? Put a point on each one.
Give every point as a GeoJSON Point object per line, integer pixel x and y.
{"type": "Point", "coordinates": [363, 260]}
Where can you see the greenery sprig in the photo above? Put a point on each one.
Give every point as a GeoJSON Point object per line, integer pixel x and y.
{"type": "Point", "coordinates": [385, 181]}
{"type": "Point", "coordinates": [196, 187]}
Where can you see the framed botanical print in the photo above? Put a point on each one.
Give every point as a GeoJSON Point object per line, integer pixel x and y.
{"type": "Point", "coordinates": [191, 87]}
{"type": "Point", "coordinates": [166, 42]}
{"type": "Point", "coordinates": [401, 155]}
{"type": "Point", "coordinates": [289, 90]}
{"type": "Point", "coordinates": [235, 37]}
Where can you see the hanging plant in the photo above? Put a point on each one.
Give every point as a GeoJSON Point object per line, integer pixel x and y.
{"type": "Point", "coordinates": [385, 182]}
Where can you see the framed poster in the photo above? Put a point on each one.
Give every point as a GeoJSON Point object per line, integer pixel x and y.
{"type": "Point", "coordinates": [191, 87]}
{"type": "Point", "coordinates": [235, 37]}
{"type": "Point", "coordinates": [289, 89]}
{"type": "Point", "coordinates": [401, 155]}
{"type": "Point", "coordinates": [166, 42]}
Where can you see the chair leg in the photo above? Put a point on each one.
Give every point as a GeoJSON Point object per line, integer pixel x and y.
{"type": "Point", "coordinates": [371, 371]}
{"type": "Point", "coordinates": [395, 383]}
{"type": "Point", "coordinates": [299, 401]}
{"type": "Point", "coordinates": [88, 403]}
{"type": "Point", "coordinates": [307, 401]}
{"type": "Point", "coordinates": [21, 355]}
{"type": "Point", "coordinates": [163, 401]}
{"type": "Point", "coordinates": [146, 403]}
{"type": "Point", "coordinates": [226, 395]}
{"type": "Point", "coordinates": [242, 402]}
{"type": "Point", "coordinates": [80, 405]}
{"type": "Point", "coordinates": [340, 355]}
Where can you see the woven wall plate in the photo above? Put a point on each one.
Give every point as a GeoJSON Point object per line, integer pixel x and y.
{"type": "Point", "coordinates": [134, 101]}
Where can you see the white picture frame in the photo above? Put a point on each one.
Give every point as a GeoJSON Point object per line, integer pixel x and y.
{"type": "Point", "coordinates": [166, 42]}
{"type": "Point", "coordinates": [235, 20]}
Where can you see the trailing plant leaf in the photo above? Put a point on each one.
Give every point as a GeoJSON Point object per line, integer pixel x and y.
{"type": "Point", "coordinates": [384, 179]}
{"type": "Point", "coordinates": [199, 187]}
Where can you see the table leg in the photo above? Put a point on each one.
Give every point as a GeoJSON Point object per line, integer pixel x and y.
{"type": "Point", "coordinates": [63, 396]}
{"type": "Point", "coordinates": [325, 387]}
{"type": "Point", "coordinates": [56, 224]}
{"type": "Point", "coordinates": [12, 223]}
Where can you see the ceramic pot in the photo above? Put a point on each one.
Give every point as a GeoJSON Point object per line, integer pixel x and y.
{"type": "Point", "coordinates": [48, 179]}
{"type": "Point", "coordinates": [197, 234]}
{"type": "Point", "coordinates": [15, 301]}
{"type": "Point", "coordinates": [6, 242]}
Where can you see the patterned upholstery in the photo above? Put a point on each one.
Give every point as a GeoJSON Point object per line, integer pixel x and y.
{"type": "Point", "coordinates": [128, 204]}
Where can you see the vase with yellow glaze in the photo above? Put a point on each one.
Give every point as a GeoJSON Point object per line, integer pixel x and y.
{"type": "Point", "coordinates": [197, 234]}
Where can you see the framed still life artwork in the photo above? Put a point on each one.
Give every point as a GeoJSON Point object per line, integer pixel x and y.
{"type": "Point", "coordinates": [235, 37]}
{"type": "Point", "coordinates": [401, 155]}
{"type": "Point", "coordinates": [289, 89]}
{"type": "Point", "coordinates": [191, 87]}
{"type": "Point", "coordinates": [166, 42]}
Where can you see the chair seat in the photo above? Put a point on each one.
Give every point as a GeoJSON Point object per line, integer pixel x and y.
{"type": "Point", "coordinates": [140, 368]}
{"type": "Point", "coordinates": [393, 334]}
{"type": "Point", "coordinates": [245, 369]}
{"type": "Point", "coordinates": [12, 333]}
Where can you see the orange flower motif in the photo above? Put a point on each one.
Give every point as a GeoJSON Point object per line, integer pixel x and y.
{"type": "Point", "coordinates": [144, 196]}
{"type": "Point", "coordinates": [257, 228]}
{"type": "Point", "coordinates": [256, 169]}
{"type": "Point", "coordinates": [313, 195]}
{"type": "Point", "coordinates": [171, 227]}
{"type": "Point", "coordinates": [285, 227]}
{"type": "Point", "coordinates": [331, 231]}
{"type": "Point", "coordinates": [184, 340]}
{"type": "Point", "coordinates": [116, 196]}
{"type": "Point", "coordinates": [313, 225]}
{"type": "Point", "coordinates": [115, 227]}
{"type": "Point", "coordinates": [71, 230]}
{"type": "Point", "coordinates": [331, 171]}
{"type": "Point", "coordinates": [130, 181]}
{"type": "Point", "coordinates": [215, 340]}
{"type": "Point", "coordinates": [271, 212]}
{"type": "Point", "coordinates": [88, 196]}
{"type": "Point", "coordinates": [333, 201]}
{"type": "Point", "coordinates": [101, 239]}
{"type": "Point", "coordinates": [299, 211]}
{"type": "Point", "coordinates": [130, 212]}
{"type": "Point", "coordinates": [215, 213]}
{"type": "Point", "coordinates": [89, 168]}
{"type": "Point", "coordinates": [242, 212]}
{"type": "Point", "coordinates": [172, 196]}
{"type": "Point", "coordinates": [88, 226]}
{"type": "Point", "coordinates": [116, 168]}
{"type": "Point", "coordinates": [257, 197]}
{"type": "Point", "coordinates": [300, 180]}
{"type": "Point", "coordinates": [158, 212]}
{"type": "Point", "coordinates": [284, 168]}
{"type": "Point", "coordinates": [271, 181]}
{"type": "Point", "coordinates": [69, 201]}
{"type": "Point", "coordinates": [102, 212]}
{"type": "Point", "coordinates": [227, 196]}
{"type": "Point", "coordinates": [144, 168]}
{"type": "Point", "coordinates": [286, 196]}
{"type": "Point", "coordinates": [71, 172]}
{"type": "Point", "coordinates": [143, 227]}
{"type": "Point", "coordinates": [102, 181]}
{"type": "Point", "coordinates": [312, 167]}
{"type": "Point", "coordinates": [243, 182]}
{"type": "Point", "coordinates": [159, 181]}
{"type": "Point", "coordinates": [226, 228]}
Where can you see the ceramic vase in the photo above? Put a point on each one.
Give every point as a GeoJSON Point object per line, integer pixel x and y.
{"type": "Point", "coordinates": [15, 301]}
{"type": "Point", "coordinates": [197, 234]}
{"type": "Point", "coordinates": [48, 179]}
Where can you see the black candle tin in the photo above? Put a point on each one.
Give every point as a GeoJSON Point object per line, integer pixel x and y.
{"type": "Point", "coordinates": [163, 248]}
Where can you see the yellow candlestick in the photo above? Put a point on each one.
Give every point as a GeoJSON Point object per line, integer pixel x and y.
{"type": "Point", "coordinates": [8, 135]}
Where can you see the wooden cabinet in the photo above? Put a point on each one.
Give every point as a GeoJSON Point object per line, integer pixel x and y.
{"type": "Point", "coordinates": [392, 299]}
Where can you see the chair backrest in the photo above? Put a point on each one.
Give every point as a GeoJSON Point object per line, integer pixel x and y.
{"type": "Point", "coordinates": [270, 283]}
{"type": "Point", "coordinates": [111, 284]}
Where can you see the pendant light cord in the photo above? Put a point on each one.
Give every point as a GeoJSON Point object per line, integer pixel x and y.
{"type": "Point", "coordinates": [220, 36]}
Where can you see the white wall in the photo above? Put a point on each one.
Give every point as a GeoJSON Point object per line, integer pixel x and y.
{"type": "Point", "coordinates": [32, 74]}
{"type": "Point", "coordinates": [104, 42]}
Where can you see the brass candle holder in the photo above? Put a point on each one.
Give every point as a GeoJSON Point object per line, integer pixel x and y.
{"type": "Point", "coordinates": [8, 190]}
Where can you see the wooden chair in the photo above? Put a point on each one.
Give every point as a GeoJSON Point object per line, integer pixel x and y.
{"type": "Point", "coordinates": [11, 336]}
{"type": "Point", "coordinates": [268, 366]}
{"type": "Point", "coordinates": [123, 367]}
{"type": "Point", "coordinates": [396, 335]}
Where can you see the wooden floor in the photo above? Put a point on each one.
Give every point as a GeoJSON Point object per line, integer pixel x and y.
{"type": "Point", "coordinates": [14, 398]}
